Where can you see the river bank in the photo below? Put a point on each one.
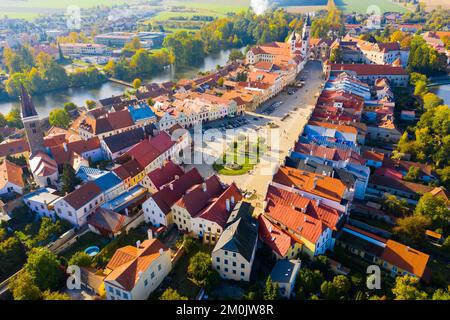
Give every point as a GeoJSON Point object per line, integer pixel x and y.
{"type": "Point", "coordinates": [442, 91]}
{"type": "Point", "coordinates": [47, 102]}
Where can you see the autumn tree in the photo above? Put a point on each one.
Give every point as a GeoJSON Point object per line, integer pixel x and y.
{"type": "Point", "coordinates": [407, 288]}
{"type": "Point", "coordinates": [171, 294]}
{"type": "Point", "coordinates": [59, 118]}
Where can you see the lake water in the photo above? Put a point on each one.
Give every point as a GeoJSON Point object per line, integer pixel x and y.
{"type": "Point", "coordinates": [47, 102]}
{"type": "Point", "coordinates": [443, 92]}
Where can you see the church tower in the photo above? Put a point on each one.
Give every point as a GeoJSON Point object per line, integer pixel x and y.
{"type": "Point", "coordinates": [31, 123]}
{"type": "Point", "coordinates": [306, 34]}
{"type": "Point", "coordinates": [293, 42]}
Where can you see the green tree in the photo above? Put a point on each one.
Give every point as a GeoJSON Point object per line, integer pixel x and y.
{"type": "Point", "coordinates": [236, 55]}
{"type": "Point", "coordinates": [220, 82]}
{"type": "Point", "coordinates": [80, 259]}
{"type": "Point", "coordinates": [69, 179]}
{"type": "Point", "coordinates": [14, 118]}
{"type": "Point", "coordinates": [90, 104]}
{"type": "Point", "coordinates": [394, 205]}
{"type": "Point", "coordinates": [308, 282]}
{"type": "Point", "coordinates": [54, 295]}
{"type": "Point", "coordinates": [435, 208]}
{"type": "Point", "coordinates": [412, 229]}
{"type": "Point", "coordinates": [441, 294]}
{"type": "Point", "coordinates": [70, 106]}
{"type": "Point", "coordinates": [59, 118]}
{"type": "Point", "coordinates": [342, 285]}
{"type": "Point", "coordinates": [431, 100]}
{"type": "Point", "coordinates": [171, 294]}
{"type": "Point", "coordinates": [137, 83]}
{"type": "Point", "coordinates": [199, 267]}
{"type": "Point", "coordinates": [23, 287]}
{"type": "Point", "coordinates": [329, 290]}
{"type": "Point", "coordinates": [44, 268]}
{"type": "Point", "coordinates": [407, 288]}
{"type": "Point", "coordinates": [412, 174]}
{"type": "Point", "coordinates": [271, 290]}
{"type": "Point", "coordinates": [12, 256]}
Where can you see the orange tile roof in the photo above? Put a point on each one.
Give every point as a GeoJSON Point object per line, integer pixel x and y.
{"type": "Point", "coordinates": [372, 155]}
{"type": "Point", "coordinates": [274, 237]}
{"type": "Point", "coordinates": [129, 261]}
{"type": "Point", "coordinates": [406, 258]}
{"type": "Point", "coordinates": [305, 218]}
{"type": "Point", "coordinates": [13, 147]}
{"type": "Point", "coordinates": [338, 127]}
{"type": "Point", "coordinates": [10, 172]}
{"type": "Point", "coordinates": [326, 187]}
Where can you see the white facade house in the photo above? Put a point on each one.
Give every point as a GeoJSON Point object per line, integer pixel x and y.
{"type": "Point", "coordinates": [42, 202]}
{"type": "Point", "coordinates": [284, 275]}
{"type": "Point", "coordinates": [79, 204]}
{"type": "Point", "coordinates": [133, 273]}
{"type": "Point", "coordinates": [234, 252]}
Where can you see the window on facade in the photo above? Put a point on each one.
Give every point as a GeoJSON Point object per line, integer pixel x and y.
{"type": "Point", "coordinates": [234, 263]}
{"type": "Point", "coordinates": [218, 259]}
{"type": "Point", "coordinates": [159, 267]}
{"type": "Point", "coordinates": [225, 261]}
{"type": "Point", "coordinates": [152, 275]}
{"type": "Point", "coordinates": [145, 282]}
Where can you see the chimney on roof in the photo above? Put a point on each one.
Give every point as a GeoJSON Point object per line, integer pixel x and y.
{"type": "Point", "coordinates": [149, 234]}
{"type": "Point", "coordinates": [161, 251]}
{"type": "Point", "coordinates": [204, 187]}
{"type": "Point", "coordinates": [318, 202]}
{"type": "Point", "coordinates": [177, 177]}
{"type": "Point", "coordinates": [171, 186]}
{"type": "Point", "coordinates": [65, 147]}
{"type": "Point", "coordinates": [227, 204]}
{"type": "Point", "coordinates": [138, 243]}
{"type": "Point", "coordinates": [315, 183]}
{"type": "Point", "coordinates": [139, 274]}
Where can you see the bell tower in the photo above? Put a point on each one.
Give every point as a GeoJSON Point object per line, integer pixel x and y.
{"type": "Point", "coordinates": [31, 122]}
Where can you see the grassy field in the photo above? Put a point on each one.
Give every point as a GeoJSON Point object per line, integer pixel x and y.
{"type": "Point", "coordinates": [29, 9]}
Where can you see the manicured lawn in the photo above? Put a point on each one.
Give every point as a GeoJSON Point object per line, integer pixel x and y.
{"type": "Point", "coordinates": [243, 160]}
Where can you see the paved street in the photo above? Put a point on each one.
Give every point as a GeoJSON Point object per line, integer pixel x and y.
{"type": "Point", "coordinates": [289, 119]}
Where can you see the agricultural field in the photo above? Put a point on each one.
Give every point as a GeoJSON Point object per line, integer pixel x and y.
{"type": "Point", "coordinates": [347, 6]}
{"type": "Point", "coordinates": [29, 9]}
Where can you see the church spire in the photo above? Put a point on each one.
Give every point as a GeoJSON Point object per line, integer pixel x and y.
{"type": "Point", "coordinates": [27, 106]}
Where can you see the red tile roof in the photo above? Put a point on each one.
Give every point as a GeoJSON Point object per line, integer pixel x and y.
{"type": "Point", "coordinates": [167, 173]}
{"type": "Point", "coordinates": [302, 216]}
{"type": "Point", "coordinates": [325, 187]}
{"type": "Point", "coordinates": [129, 261]}
{"type": "Point", "coordinates": [329, 153]}
{"type": "Point", "coordinates": [216, 211]}
{"type": "Point", "coordinates": [274, 237]}
{"type": "Point", "coordinates": [13, 147]}
{"type": "Point", "coordinates": [172, 192]}
{"type": "Point", "coordinates": [374, 156]}
{"type": "Point", "coordinates": [196, 198]}
{"type": "Point", "coordinates": [10, 172]}
{"type": "Point", "coordinates": [145, 152]}
{"type": "Point", "coordinates": [81, 196]}
{"type": "Point", "coordinates": [129, 169]}
{"type": "Point", "coordinates": [405, 258]}
{"type": "Point", "coordinates": [370, 69]}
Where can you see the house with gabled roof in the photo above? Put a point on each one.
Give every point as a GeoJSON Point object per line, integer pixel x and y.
{"type": "Point", "coordinates": [134, 272]}
{"type": "Point", "coordinates": [204, 209]}
{"type": "Point", "coordinates": [156, 179]}
{"type": "Point", "coordinates": [234, 252]}
{"type": "Point", "coordinates": [311, 223]}
{"type": "Point", "coordinates": [76, 206]}
{"type": "Point", "coordinates": [11, 180]}
{"type": "Point", "coordinates": [158, 207]}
